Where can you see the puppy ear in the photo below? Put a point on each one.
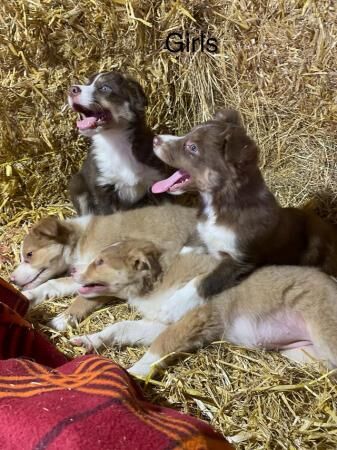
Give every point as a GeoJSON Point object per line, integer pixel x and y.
{"type": "Point", "coordinates": [138, 99]}
{"type": "Point", "coordinates": [240, 149]}
{"type": "Point", "coordinates": [146, 259]}
{"type": "Point", "coordinates": [53, 229]}
{"type": "Point", "coordinates": [228, 115]}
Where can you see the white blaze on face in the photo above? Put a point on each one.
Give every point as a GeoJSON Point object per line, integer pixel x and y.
{"type": "Point", "coordinates": [169, 137]}
{"type": "Point", "coordinates": [85, 98]}
{"type": "Point", "coordinates": [25, 274]}
{"type": "Point", "coordinates": [165, 139]}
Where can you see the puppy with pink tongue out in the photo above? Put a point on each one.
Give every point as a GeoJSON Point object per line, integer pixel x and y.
{"type": "Point", "coordinates": [121, 166]}
{"type": "Point", "coordinates": [240, 221]}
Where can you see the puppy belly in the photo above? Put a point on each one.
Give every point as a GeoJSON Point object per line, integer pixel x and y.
{"type": "Point", "coordinates": [278, 331]}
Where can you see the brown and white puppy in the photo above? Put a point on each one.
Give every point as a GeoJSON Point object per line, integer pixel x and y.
{"type": "Point", "coordinates": [121, 166]}
{"type": "Point", "coordinates": [240, 222]}
{"type": "Point", "coordinates": [286, 308]}
{"type": "Point", "coordinates": [54, 247]}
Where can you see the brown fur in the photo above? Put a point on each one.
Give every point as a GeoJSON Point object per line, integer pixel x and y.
{"type": "Point", "coordinates": [287, 290]}
{"type": "Point", "coordinates": [58, 246]}
{"type": "Point", "coordinates": [126, 103]}
{"type": "Point", "coordinates": [270, 289]}
{"type": "Point", "coordinates": [224, 169]}
{"type": "Point", "coordinates": [137, 267]}
{"type": "Point", "coordinates": [168, 226]}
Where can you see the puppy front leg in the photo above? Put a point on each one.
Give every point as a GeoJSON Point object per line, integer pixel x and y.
{"type": "Point", "coordinates": [58, 287]}
{"type": "Point", "coordinates": [226, 275]}
{"type": "Point", "coordinates": [79, 309]}
{"type": "Point", "coordinates": [129, 332]}
{"type": "Point", "coordinates": [197, 328]}
{"type": "Point", "coordinates": [80, 194]}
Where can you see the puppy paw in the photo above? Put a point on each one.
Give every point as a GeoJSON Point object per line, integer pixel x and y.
{"type": "Point", "coordinates": [197, 250]}
{"type": "Point", "coordinates": [60, 322]}
{"type": "Point", "coordinates": [139, 370]}
{"type": "Point", "coordinates": [145, 366]}
{"type": "Point", "coordinates": [90, 341]}
{"type": "Point", "coordinates": [33, 297]}
{"type": "Point", "coordinates": [29, 294]}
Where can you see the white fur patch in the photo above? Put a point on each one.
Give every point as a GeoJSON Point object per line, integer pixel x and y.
{"type": "Point", "coordinates": [91, 341]}
{"type": "Point", "coordinates": [187, 249]}
{"type": "Point", "coordinates": [83, 221]}
{"type": "Point", "coordinates": [25, 273]}
{"type": "Point", "coordinates": [217, 238]}
{"type": "Point", "coordinates": [168, 307]}
{"type": "Point", "coordinates": [140, 332]}
{"type": "Point", "coordinates": [182, 301]}
{"type": "Point", "coordinates": [60, 322]}
{"type": "Point", "coordinates": [117, 165]}
{"type": "Point", "coordinates": [168, 137]}
{"type": "Point", "coordinates": [144, 366]}
{"type": "Point", "coordinates": [83, 204]}
{"type": "Point", "coordinates": [58, 287]}
{"type": "Point", "coordinates": [85, 98]}
{"type": "Point", "coordinates": [302, 355]}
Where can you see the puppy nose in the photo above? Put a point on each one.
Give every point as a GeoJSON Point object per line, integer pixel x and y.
{"type": "Point", "coordinates": [74, 90]}
{"type": "Point", "coordinates": [157, 141]}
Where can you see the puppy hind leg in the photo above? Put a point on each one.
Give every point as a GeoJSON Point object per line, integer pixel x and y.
{"type": "Point", "coordinates": [301, 355]}
{"type": "Point", "coordinates": [196, 329]}
{"type": "Point", "coordinates": [323, 331]}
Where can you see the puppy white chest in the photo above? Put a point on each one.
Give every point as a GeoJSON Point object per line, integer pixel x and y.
{"type": "Point", "coordinates": [169, 306]}
{"type": "Point", "coordinates": [115, 162]}
{"type": "Point", "coordinates": [117, 165]}
{"type": "Point", "coordinates": [217, 238]}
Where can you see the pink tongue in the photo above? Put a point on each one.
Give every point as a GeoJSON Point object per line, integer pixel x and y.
{"type": "Point", "coordinates": [84, 289]}
{"type": "Point", "coordinates": [87, 123]}
{"type": "Point", "coordinates": [164, 185]}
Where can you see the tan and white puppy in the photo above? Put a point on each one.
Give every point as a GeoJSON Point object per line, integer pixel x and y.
{"type": "Point", "coordinates": [54, 247]}
{"type": "Point", "coordinates": [289, 309]}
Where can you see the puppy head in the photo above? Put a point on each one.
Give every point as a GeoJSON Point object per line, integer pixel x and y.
{"type": "Point", "coordinates": [123, 269]}
{"type": "Point", "coordinates": [42, 253]}
{"type": "Point", "coordinates": [108, 100]}
{"type": "Point", "coordinates": [213, 153]}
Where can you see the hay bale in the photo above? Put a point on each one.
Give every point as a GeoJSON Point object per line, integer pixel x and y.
{"type": "Point", "coordinates": [277, 64]}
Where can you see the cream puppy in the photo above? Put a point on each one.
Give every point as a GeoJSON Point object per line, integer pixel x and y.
{"type": "Point", "coordinates": [53, 248]}
{"type": "Point", "coordinates": [284, 308]}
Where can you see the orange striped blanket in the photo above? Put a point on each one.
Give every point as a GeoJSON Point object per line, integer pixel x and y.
{"type": "Point", "coordinates": [48, 402]}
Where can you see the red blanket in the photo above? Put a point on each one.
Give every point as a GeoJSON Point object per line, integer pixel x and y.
{"type": "Point", "coordinates": [48, 402]}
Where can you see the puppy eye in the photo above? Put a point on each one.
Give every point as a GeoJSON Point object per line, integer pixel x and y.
{"type": "Point", "coordinates": [99, 262]}
{"type": "Point", "coordinates": [105, 88]}
{"type": "Point", "coordinates": [29, 254]}
{"type": "Point", "coordinates": [192, 148]}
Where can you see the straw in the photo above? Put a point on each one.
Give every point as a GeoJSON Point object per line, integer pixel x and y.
{"type": "Point", "coordinates": [277, 65]}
